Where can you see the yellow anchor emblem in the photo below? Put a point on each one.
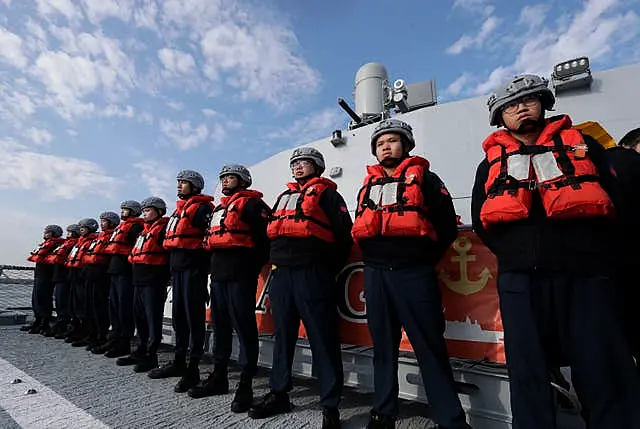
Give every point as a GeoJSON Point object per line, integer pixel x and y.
{"type": "Point", "coordinates": [465, 286]}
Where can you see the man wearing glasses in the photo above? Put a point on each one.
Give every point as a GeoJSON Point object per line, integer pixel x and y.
{"type": "Point", "coordinates": [310, 233]}
{"type": "Point", "coordinates": [543, 203]}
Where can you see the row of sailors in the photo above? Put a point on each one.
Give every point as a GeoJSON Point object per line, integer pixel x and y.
{"type": "Point", "coordinates": [544, 202]}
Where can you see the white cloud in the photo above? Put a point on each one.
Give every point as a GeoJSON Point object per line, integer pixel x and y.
{"type": "Point", "coordinates": [183, 134]}
{"type": "Point", "coordinates": [115, 111]}
{"type": "Point", "coordinates": [311, 127]}
{"type": "Point", "coordinates": [176, 62]}
{"type": "Point", "coordinates": [38, 136]}
{"type": "Point", "coordinates": [16, 105]}
{"type": "Point", "coordinates": [158, 177]}
{"type": "Point", "coordinates": [467, 41]}
{"type": "Point", "coordinates": [258, 58]}
{"type": "Point", "coordinates": [474, 6]}
{"type": "Point", "coordinates": [52, 176]}
{"type": "Point", "coordinates": [457, 85]}
{"type": "Point", "coordinates": [210, 113]}
{"type": "Point", "coordinates": [11, 52]}
{"type": "Point", "coordinates": [49, 8]}
{"type": "Point", "coordinates": [98, 10]}
{"type": "Point", "coordinates": [600, 30]}
{"type": "Point", "coordinates": [533, 15]}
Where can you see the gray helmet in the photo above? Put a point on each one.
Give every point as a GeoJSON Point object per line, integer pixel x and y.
{"type": "Point", "coordinates": [393, 126]}
{"type": "Point", "coordinates": [311, 154]}
{"type": "Point", "coordinates": [89, 223]}
{"type": "Point", "coordinates": [155, 202]}
{"type": "Point", "coordinates": [55, 230]}
{"type": "Point", "coordinates": [239, 170]}
{"type": "Point", "coordinates": [193, 177]}
{"type": "Point", "coordinates": [111, 217]}
{"type": "Point", "coordinates": [520, 86]}
{"type": "Point", "coordinates": [133, 206]}
{"type": "Point", "coordinates": [74, 228]}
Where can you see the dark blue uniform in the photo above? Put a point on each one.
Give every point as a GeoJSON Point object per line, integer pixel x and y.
{"type": "Point", "coordinates": [558, 307]}
{"type": "Point", "coordinates": [401, 290]}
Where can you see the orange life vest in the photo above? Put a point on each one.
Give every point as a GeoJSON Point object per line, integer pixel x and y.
{"type": "Point", "coordinates": [95, 253]}
{"type": "Point", "coordinates": [393, 206]}
{"type": "Point", "coordinates": [181, 234]}
{"type": "Point", "coordinates": [118, 241]}
{"type": "Point", "coordinates": [60, 253]}
{"type": "Point", "coordinates": [297, 212]}
{"type": "Point", "coordinates": [76, 257]}
{"type": "Point", "coordinates": [40, 254]}
{"type": "Point", "coordinates": [148, 249]}
{"type": "Point", "coordinates": [227, 228]}
{"type": "Point", "coordinates": [565, 177]}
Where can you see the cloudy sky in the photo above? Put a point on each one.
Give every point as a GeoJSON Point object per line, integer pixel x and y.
{"type": "Point", "coordinates": [104, 100]}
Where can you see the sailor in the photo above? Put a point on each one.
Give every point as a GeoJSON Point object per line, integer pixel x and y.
{"type": "Point", "coordinates": [42, 292]}
{"type": "Point", "coordinates": [625, 160]}
{"type": "Point", "coordinates": [404, 223]}
{"type": "Point", "coordinates": [79, 301]}
{"type": "Point", "coordinates": [310, 233]}
{"type": "Point", "coordinates": [150, 267]}
{"type": "Point", "coordinates": [60, 278]}
{"type": "Point", "coordinates": [542, 202]}
{"type": "Point", "coordinates": [238, 240]}
{"type": "Point", "coordinates": [189, 264]}
{"type": "Point", "coordinates": [96, 261]}
{"type": "Point", "coordinates": [121, 288]}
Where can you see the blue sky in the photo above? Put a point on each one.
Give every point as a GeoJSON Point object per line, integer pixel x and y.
{"type": "Point", "coordinates": [105, 100]}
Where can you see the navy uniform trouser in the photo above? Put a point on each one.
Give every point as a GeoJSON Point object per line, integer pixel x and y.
{"type": "Point", "coordinates": [233, 306]}
{"type": "Point", "coordinates": [78, 299]}
{"type": "Point", "coordinates": [97, 290]}
{"type": "Point", "coordinates": [546, 313]}
{"type": "Point", "coordinates": [189, 296]}
{"type": "Point", "coordinates": [307, 293]}
{"type": "Point", "coordinates": [410, 297]}
{"type": "Point", "coordinates": [149, 311]}
{"type": "Point", "coordinates": [42, 297]}
{"type": "Point", "coordinates": [121, 306]}
{"type": "Point", "coordinates": [62, 296]}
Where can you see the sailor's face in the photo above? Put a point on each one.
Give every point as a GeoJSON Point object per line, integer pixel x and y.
{"type": "Point", "coordinates": [149, 214]}
{"type": "Point", "coordinates": [522, 110]}
{"type": "Point", "coordinates": [389, 146]}
{"type": "Point", "coordinates": [302, 168]}
{"type": "Point", "coordinates": [69, 234]}
{"type": "Point", "coordinates": [183, 187]}
{"type": "Point", "coordinates": [104, 224]}
{"type": "Point", "coordinates": [47, 235]}
{"type": "Point", "coordinates": [124, 213]}
{"type": "Point", "coordinates": [229, 183]}
{"type": "Point", "coordinates": [84, 230]}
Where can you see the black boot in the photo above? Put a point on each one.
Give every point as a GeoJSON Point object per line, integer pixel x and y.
{"type": "Point", "coordinates": [27, 328]}
{"type": "Point", "coordinates": [271, 404]}
{"type": "Point", "coordinates": [147, 363]}
{"type": "Point", "coordinates": [36, 328]}
{"type": "Point", "coordinates": [47, 329]}
{"type": "Point", "coordinates": [244, 395]}
{"type": "Point", "coordinates": [132, 358]}
{"type": "Point", "coordinates": [378, 421]}
{"type": "Point", "coordinates": [83, 342]}
{"type": "Point", "coordinates": [215, 384]}
{"type": "Point", "coordinates": [331, 418]}
{"type": "Point", "coordinates": [190, 379]}
{"type": "Point", "coordinates": [100, 349]}
{"type": "Point", "coordinates": [119, 348]}
{"type": "Point", "coordinates": [176, 368]}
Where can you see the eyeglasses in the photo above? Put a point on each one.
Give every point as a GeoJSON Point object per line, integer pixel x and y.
{"type": "Point", "coordinates": [527, 101]}
{"type": "Point", "coordinates": [301, 163]}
